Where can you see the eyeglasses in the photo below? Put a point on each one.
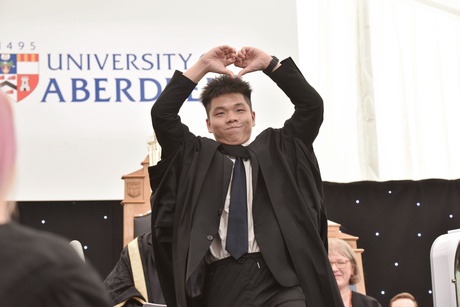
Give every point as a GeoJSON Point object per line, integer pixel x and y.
{"type": "Point", "coordinates": [340, 263]}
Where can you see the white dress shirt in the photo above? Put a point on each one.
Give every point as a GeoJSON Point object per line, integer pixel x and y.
{"type": "Point", "coordinates": [217, 247]}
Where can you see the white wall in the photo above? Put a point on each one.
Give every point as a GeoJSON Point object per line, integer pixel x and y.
{"type": "Point", "coordinates": [389, 73]}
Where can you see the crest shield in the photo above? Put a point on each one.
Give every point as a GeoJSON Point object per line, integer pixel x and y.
{"type": "Point", "coordinates": [19, 74]}
{"type": "Point", "coordinates": [134, 188]}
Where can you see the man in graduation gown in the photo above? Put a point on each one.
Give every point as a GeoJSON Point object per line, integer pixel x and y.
{"type": "Point", "coordinates": [286, 263]}
{"type": "Point", "coordinates": [134, 280]}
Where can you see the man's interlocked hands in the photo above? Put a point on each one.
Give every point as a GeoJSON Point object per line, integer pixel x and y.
{"type": "Point", "coordinates": [218, 59]}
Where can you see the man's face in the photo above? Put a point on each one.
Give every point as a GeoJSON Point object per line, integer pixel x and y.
{"type": "Point", "coordinates": [230, 119]}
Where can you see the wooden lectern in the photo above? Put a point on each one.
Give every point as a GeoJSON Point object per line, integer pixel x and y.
{"type": "Point", "coordinates": [137, 202]}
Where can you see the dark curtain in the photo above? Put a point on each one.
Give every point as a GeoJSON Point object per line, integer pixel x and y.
{"type": "Point", "coordinates": [397, 223]}
{"type": "Point", "coordinates": [98, 225]}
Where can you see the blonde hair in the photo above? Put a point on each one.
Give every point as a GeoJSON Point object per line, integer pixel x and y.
{"type": "Point", "coordinates": [343, 248]}
{"type": "Point", "coordinates": [7, 143]}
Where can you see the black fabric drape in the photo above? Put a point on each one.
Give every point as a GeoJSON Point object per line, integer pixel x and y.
{"type": "Point", "coordinates": [397, 223]}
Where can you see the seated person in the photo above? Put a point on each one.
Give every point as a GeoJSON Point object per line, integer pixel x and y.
{"type": "Point", "coordinates": [134, 280]}
{"type": "Point", "coordinates": [403, 299]}
{"type": "Point", "coordinates": [346, 272]}
{"type": "Point", "coordinates": [37, 268]}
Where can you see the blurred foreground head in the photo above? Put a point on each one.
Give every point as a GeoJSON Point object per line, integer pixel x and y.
{"type": "Point", "coordinates": [7, 145]}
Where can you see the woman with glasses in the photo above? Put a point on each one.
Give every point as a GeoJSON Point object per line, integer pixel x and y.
{"type": "Point", "coordinates": [346, 273]}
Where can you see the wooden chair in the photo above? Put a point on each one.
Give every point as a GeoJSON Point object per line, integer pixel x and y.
{"type": "Point", "coordinates": [136, 200]}
{"type": "Point", "coordinates": [142, 223]}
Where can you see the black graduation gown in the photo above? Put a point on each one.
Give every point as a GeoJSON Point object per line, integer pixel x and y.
{"type": "Point", "coordinates": [120, 282]}
{"type": "Point", "coordinates": [361, 300]}
{"type": "Point", "coordinates": [189, 186]}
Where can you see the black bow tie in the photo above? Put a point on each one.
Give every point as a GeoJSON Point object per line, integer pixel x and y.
{"type": "Point", "coordinates": [235, 151]}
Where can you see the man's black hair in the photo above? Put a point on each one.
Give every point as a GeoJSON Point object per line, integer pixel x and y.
{"type": "Point", "coordinates": [224, 84]}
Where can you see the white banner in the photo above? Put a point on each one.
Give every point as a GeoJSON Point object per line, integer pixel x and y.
{"type": "Point", "coordinates": [83, 77]}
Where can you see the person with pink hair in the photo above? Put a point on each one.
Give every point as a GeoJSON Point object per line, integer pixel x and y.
{"type": "Point", "coordinates": [37, 268]}
{"type": "Point", "coordinates": [7, 154]}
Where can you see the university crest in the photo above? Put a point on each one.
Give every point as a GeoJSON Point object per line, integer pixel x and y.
{"type": "Point", "coordinates": [134, 188]}
{"type": "Point", "coordinates": [18, 75]}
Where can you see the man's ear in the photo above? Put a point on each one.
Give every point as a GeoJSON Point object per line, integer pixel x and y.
{"type": "Point", "coordinates": [253, 118]}
{"type": "Point", "coordinates": [208, 124]}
